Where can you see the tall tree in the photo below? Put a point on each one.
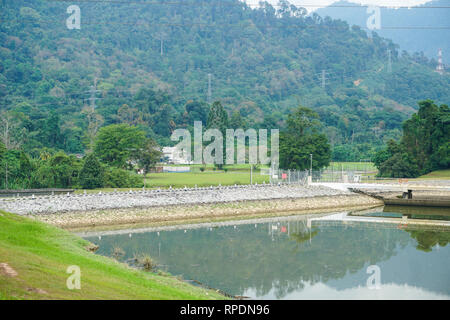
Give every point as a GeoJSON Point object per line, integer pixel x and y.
{"type": "Point", "coordinates": [118, 144]}
{"type": "Point", "coordinates": [195, 111]}
{"type": "Point", "coordinates": [51, 132]}
{"type": "Point", "coordinates": [2, 150]}
{"type": "Point", "coordinates": [217, 118]}
{"type": "Point", "coordinates": [236, 121]}
{"type": "Point", "coordinates": [11, 132]}
{"type": "Point", "coordinates": [424, 146]}
{"type": "Point", "coordinates": [149, 156]}
{"type": "Point", "coordinates": [92, 174]}
{"type": "Point", "coordinates": [301, 139]}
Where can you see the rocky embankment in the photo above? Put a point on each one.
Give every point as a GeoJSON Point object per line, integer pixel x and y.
{"type": "Point", "coordinates": [181, 204]}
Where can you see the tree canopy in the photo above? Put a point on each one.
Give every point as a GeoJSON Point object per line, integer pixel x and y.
{"type": "Point", "coordinates": [64, 85]}
{"type": "Point", "coordinates": [301, 139]}
{"type": "Point", "coordinates": [119, 143]}
{"type": "Point", "coordinates": [424, 146]}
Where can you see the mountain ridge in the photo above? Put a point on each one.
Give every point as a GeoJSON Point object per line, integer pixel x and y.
{"type": "Point", "coordinates": [395, 24]}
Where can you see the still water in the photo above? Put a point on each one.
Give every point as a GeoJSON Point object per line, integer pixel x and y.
{"type": "Point", "coordinates": [303, 257]}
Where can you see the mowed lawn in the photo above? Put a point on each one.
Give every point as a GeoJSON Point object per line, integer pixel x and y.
{"type": "Point", "coordinates": [439, 175]}
{"type": "Point", "coordinates": [352, 166]}
{"type": "Point", "coordinates": [203, 179]}
{"type": "Point", "coordinates": [34, 258]}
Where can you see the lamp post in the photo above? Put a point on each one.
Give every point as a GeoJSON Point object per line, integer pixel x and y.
{"type": "Point", "coordinates": [311, 165]}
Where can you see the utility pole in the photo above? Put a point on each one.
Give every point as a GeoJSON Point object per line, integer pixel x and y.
{"type": "Point", "coordinates": [440, 66]}
{"type": "Point", "coordinates": [209, 88]}
{"type": "Point", "coordinates": [311, 163]}
{"type": "Point", "coordinates": [389, 67]}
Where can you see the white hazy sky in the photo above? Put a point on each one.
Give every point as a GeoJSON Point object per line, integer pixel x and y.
{"type": "Point", "coordinates": [390, 3]}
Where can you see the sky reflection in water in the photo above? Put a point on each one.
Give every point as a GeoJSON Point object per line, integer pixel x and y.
{"type": "Point", "coordinates": [289, 259]}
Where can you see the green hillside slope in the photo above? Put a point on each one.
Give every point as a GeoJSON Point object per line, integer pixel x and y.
{"type": "Point", "coordinates": [148, 64]}
{"type": "Point", "coordinates": [34, 258]}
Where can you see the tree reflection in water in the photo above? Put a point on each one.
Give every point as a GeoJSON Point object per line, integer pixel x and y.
{"type": "Point", "coordinates": [280, 258]}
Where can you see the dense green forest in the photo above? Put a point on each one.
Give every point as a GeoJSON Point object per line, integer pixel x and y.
{"type": "Point", "coordinates": [421, 31]}
{"type": "Point", "coordinates": [424, 146]}
{"type": "Point", "coordinates": [147, 65]}
{"type": "Point", "coordinates": [118, 150]}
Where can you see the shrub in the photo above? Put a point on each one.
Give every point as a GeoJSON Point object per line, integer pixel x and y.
{"type": "Point", "coordinates": [92, 173]}
{"type": "Point", "coordinates": [120, 178]}
{"type": "Point", "coordinates": [147, 262]}
{"type": "Point", "coordinates": [118, 253]}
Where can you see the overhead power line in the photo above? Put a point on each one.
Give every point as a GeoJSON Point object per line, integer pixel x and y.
{"type": "Point", "coordinates": [240, 4]}
{"type": "Point", "coordinates": [208, 25]}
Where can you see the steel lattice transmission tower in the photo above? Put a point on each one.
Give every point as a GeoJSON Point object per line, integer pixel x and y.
{"type": "Point", "coordinates": [209, 98]}
{"type": "Point", "coordinates": [440, 66]}
{"type": "Point", "coordinates": [389, 66]}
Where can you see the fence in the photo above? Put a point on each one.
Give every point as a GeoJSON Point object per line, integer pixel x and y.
{"type": "Point", "coordinates": [289, 177]}
{"type": "Point", "coordinates": [324, 175]}
{"type": "Point", "coordinates": [350, 176]}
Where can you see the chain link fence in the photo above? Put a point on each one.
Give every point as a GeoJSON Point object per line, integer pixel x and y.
{"type": "Point", "coordinates": [289, 177]}
{"type": "Point", "coordinates": [325, 175]}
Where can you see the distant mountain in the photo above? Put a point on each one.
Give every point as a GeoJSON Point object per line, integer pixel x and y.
{"type": "Point", "coordinates": [427, 41]}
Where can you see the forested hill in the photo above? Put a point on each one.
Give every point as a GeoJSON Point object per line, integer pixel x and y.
{"type": "Point", "coordinates": [415, 30]}
{"type": "Point", "coordinates": [150, 65]}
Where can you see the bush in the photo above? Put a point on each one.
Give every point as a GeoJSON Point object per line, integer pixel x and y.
{"type": "Point", "coordinates": [118, 253]}
{"type": "Point", "coordinates": [92, 173]}
{"type": "Point", "coordinates": [119, 178]}
{"type": "Point", "coordinates": [147, 263]}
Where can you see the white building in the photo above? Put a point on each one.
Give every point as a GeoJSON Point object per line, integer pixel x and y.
{"type": "Point", "coordinates": [173, 155]}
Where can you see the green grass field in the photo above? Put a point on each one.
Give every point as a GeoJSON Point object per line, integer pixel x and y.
{"type": "Point", "coordinates": [41, 254]}
{"type": "Point", "coordinates": [202, 179]}
{"type": "Point", "coordinates": [236, 174]}
{"type": "Point", "coordinates": [352, 166]}
{"type": "Point", "coordinates": [439, 175]}
{"type": "Point", "coordinates": [210, 167]}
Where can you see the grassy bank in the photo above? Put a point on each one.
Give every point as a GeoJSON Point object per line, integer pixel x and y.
{"type": "Point", "coordinates": [34, 258]}
{"type": "Point", "coordinates": [439, 175]}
